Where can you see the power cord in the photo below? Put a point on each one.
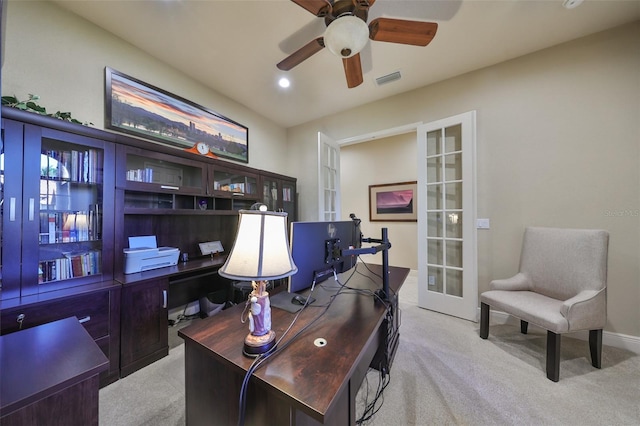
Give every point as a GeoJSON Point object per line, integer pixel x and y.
{"type": "Point", "coordinates": [370, 409]}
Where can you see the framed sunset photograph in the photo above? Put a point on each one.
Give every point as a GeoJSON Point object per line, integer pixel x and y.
{"type": "Point", "coordinates": [393, 202]}
{"type": "Point", "coordinates": [140, 109]}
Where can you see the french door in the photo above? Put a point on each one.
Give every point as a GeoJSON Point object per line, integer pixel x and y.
{"type": "Point", "coordinates": [447, 255]}
{"type": "Point", "coordinates": [328, 178]}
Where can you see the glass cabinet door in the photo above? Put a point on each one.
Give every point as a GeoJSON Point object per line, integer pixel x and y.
{"type": "Point", "coordinates": [270, 194]}
{"type": "Point", "coordinates": [279, 195]}
{"type": "Point", "coordinates": [66, 237]}
{"type": "Point", "coordinates": [10, 209]}
{"type": "Point", "coordinates": [241, 187]}
{"type": "Point", "coordinates": [289, 199]}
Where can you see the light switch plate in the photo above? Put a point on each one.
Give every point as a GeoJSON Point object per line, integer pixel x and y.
{"type": "Point", "coordinates": [483, 224]}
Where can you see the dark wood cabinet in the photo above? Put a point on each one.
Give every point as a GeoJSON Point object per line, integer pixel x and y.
{"type": "Point", "coordinates": [97, 308]}
{"type": "Point", "coordinates": [57, 209]}
{"type": "Point", "coordinates": [58, 388]}
{"type": "Point", "coordinates": [144, 332]}
{"type": "Point", "coordinates": [70, 198]}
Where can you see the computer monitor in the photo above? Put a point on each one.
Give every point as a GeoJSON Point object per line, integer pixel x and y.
{"type": "Point", "coordinates": [316, 249]}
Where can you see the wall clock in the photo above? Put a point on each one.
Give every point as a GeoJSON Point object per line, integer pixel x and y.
{"type": "Point", "coordinates": [201, 148]}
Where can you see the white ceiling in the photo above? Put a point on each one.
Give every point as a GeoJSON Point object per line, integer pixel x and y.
{"type": "Point", "coordinates": [233, 46]}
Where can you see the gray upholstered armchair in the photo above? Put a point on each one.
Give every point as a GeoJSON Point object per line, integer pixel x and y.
{"type": "Point", "coordinates": [561, 287]}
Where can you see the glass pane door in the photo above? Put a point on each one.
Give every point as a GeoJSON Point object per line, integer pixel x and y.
{"type": "Point", "coordinates": [446, 246]}
{"type": "Point", "coordinates": [444, 211]}
{"type": "Point", "coordinates": [329, 178]}
{"type": "Point", "coordinates": [71, 208]}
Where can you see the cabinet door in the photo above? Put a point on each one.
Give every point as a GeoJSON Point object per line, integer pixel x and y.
{"type": "Point", "coordinates": [67, 211]}
{"type": "Point", "coordinates": [289, 199]}
{"type": "Point", "coordinates": [144, 326]}
{"type": "Point", "coordinates": [53, 225]}
{"type": "Point", "coordinates": [279, 195]}
{"type": "Point", "coordinates": [10, 208]}
{"type": "Point", "coordinates": [149, 171]}
{"type": "Point", "coordinates": [240, 186]}
{"type": "Point", "coordinates": [271, 194]}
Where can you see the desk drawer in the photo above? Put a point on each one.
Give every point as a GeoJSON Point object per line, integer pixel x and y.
{"type": "Point", "coordinates": [91, 309]}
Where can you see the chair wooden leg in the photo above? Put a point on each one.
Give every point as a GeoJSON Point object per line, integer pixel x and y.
{"type": "Point", "coordinates": [595, 346]}
{"type": "Point", "coordinates": [524, 326]}
{"type": "Point", "coordinates": [553, 356]}
{"type": "Point", "coordinates": [484, 320]}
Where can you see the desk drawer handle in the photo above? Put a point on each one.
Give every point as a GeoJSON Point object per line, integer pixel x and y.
{"type": "Point", "coordinates": [164, 299]}
{"type": "Point", "coordinates": [169, 187]}
{"type": "Point", "coordinates": [85, 319]}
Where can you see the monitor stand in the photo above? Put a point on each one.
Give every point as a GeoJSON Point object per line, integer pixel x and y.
{"type": "Point", "coordinates": [287, 301]}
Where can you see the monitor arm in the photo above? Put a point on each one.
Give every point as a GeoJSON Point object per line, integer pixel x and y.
{"type": "Point", "coordinates": [383, 246]}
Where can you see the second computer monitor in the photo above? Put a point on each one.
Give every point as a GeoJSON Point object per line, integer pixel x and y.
{"type": "Point", "coordinates": [316, 248]}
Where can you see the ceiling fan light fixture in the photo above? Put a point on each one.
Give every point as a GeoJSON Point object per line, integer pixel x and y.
{"type": "Point", "coordinates": [346, 36]}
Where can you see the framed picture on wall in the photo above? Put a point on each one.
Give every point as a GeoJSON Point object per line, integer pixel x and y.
{"type": "Point", "coordinates": [143, 110]}
{"type": "Point", "coordinates": [393, 202]}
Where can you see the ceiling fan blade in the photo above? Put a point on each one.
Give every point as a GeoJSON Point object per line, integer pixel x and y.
{"type": "Point", "coordinates": [317, 7]}
{"type": "Point", "coordinates": [421, 10]}
{"type": "Point", "coordinates": [302, 54]}
{"type": "Point", "coordinates": [353, 70]}
{"type": "Point", "coordinates": [363, 4]}
{"type": "Point", "coordinates": [401, 31]}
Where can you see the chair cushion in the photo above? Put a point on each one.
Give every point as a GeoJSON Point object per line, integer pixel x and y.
{"type": "Point", "coordinates": [529, 306]}
{"type": "Point", "coordinates": [560, 263]}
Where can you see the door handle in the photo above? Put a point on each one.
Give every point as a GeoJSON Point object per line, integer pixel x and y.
{"type": "Point", "coordinates": [164, 299]}
{"type": "Point", "coordinates": [12, 209]}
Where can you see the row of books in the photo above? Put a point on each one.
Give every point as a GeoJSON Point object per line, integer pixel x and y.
{"type": "Point", "coordinates": [70, 266]}
{"type": "Point", "coordinates": [69, 227]}
{"type": "Point", "coordinates": [140, 175]}
{"type": "Point", "coordinates": [73, 165]}
{"type": "Point", "coordinates": [247, 188]}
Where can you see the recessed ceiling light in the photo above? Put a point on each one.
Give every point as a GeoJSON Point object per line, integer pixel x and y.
{"type": "Point", "coordinates": [284, 82]}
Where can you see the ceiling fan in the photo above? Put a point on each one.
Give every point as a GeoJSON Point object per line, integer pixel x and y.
{"type": "Point", "coordinates": [347, 33]}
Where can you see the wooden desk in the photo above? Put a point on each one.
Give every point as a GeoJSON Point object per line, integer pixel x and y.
{"type": "Point", "coordinates": [303, 384]}
{"type": "Point", "coordinates": [50, 375]}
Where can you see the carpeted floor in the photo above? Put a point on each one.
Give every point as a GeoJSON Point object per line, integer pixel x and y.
{"type": "Point", "coordinates": [443, 374]}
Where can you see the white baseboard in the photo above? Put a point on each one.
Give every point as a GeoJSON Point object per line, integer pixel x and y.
{"type": "Point", "coordinates": [617, 340]}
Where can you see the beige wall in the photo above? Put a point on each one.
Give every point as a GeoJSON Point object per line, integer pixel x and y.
{"type": "Point", "coordinates": [61, 58]}
{"type": "Point", "coordinates": [388, 160]}
{"type": "Point", "coordinates": [558, 144]}
{"type": "Point", "coordinates": [558, 134]}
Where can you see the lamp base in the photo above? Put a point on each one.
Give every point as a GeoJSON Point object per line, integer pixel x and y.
{"type": "Point", "coordinates": [257, 345]}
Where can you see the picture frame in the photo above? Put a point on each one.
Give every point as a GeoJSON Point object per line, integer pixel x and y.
{"type": "Point", "coordinates": [393, 202]}
{"type": "Point", "coordinates": [140, 109]}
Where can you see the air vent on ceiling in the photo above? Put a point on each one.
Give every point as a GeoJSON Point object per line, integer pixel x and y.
{"type": "Point", "coordinates": [388, 78]}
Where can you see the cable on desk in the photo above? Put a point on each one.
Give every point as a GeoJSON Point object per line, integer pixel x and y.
{"type": "Point", "coordinates": [279, 346]}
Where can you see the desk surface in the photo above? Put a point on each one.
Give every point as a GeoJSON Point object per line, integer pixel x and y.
{"type": "Point", "coordinates": [306, 376]}
{"type": "Point", "coordinates": [40, 361]}
{"type": "Point", "coordinates": [193, 265]}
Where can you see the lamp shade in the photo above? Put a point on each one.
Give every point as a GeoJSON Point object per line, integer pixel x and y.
{"type": "Point", "coordinates": [261, 250]}
{"type": "Point", "coordinates": [346, 36]}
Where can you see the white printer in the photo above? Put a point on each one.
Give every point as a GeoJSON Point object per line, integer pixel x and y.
{"type": "Point", "coordinates": [144, 254]}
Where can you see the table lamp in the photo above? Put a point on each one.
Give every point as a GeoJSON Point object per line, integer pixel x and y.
{"type": "Point", "coordinates": [260, 253]}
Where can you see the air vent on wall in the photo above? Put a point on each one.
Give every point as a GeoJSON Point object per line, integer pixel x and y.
{"type": "Point", "coordinates": [388, 78]}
